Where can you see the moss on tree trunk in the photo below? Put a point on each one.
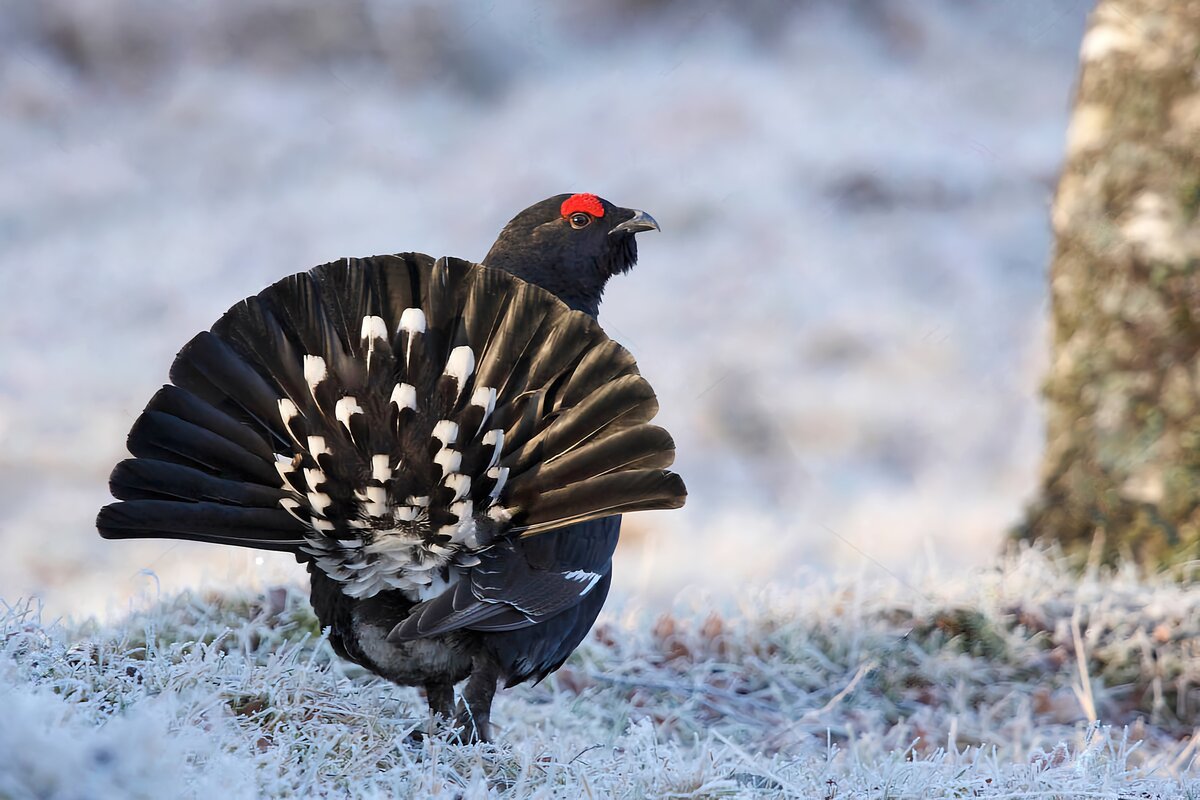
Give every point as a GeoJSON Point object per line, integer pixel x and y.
{"type": "Point", "coordinates": [1122, 464]}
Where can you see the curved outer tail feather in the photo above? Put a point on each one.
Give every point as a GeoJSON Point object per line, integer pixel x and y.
{"type": "Point", "coordinates": [393, 419]}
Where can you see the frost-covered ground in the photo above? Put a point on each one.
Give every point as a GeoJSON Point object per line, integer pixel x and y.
{"type": "Point", "coordinates": [842, 315]}
{"type": "Point", "coordinates": [1013, 682]}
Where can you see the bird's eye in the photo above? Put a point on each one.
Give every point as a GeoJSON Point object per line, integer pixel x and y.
{"type": "Point", "coordinates": [580, 220]}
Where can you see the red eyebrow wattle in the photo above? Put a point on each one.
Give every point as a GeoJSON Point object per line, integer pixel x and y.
{"type": "Point", "coordinates": [587, 203]}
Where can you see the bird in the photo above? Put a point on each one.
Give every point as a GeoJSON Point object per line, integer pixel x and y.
{"type": "Point", "coordinates": [447, 447]}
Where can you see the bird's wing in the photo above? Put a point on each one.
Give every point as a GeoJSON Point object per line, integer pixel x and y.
{"type": "Point", "coordinates": [519, 584]}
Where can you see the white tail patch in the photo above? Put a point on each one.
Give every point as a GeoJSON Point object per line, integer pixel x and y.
{"type": "Point", "coordinates": [287, 410]}
{"type": "Point", "coordinates": [494, 437]}
{"type": "Point", "coordinates": [315, 371]}
{"type": "Point", "coordinates": [465, 533]}
{"type": "Point", "coordinates": [405, 513]}
{"type": "Point", "coordinates": [439, 551]}
{"type": "Point", "coordinates": [461, 484]}
{"type": "Point", "coordinates": [461, 509]}
{"type": "Point", "coordinates": [319, 501]}
{"type": "Point", "coordinates": [485, 398]}
{"type": "Point", "coordinates": [448, 459]}
{"type": "Point", "coordinates": [376, 505]}
{"type": "Point", "coordinates": [500, 476]}
{"type": "Point", "coordinates": [373, 329]}
{"type": "Point", "coordinates": [433, 555]}
{"type": "Point", "coordinates": [446, 431]}
{"type": "Point", "coordinates": [316, 447]}
{"type": "Point", "coordinates": [420, 502]}
{"type": "Point", "coordinates": [412, 322]}
{"type": "Point", "coordinates": [399, 536]}
{"type": "Point", "coordinates": [323, 525]}
{"type": "Point", "coordinates": [381, 469]}
{"type": "Point", "coordinates": [404, 395]}
{"type": "Point", "coordinates": [460, 366]}
{"type": "Point", "coordinates": [346, 407]}
{"type": "Point", "coordinates": [395, 546]}
{"type": "Point", "coordinates": [314, 477]}
{"type": "Point", "coordinates": [285, 467]}
{"type": "Point", "coordinates": [287, 413]}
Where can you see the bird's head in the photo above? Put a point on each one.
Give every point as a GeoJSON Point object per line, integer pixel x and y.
{"type": "Point", "coordinates": [570, 245]}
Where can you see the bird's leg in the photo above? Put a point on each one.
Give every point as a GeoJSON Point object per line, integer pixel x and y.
{"type": "Point", "coordinates": [441, 700]}
{"type": "Point", "coordinates": [440, 697]}
{"type": "Point", "coordinates": [475, 710]}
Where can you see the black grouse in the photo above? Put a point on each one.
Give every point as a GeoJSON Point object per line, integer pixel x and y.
{"type": "Point", "coordinates": [448, 447]}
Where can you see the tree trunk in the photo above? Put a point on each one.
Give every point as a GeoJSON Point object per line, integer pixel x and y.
{"type": "Point", "coordinates": [1122, 463]}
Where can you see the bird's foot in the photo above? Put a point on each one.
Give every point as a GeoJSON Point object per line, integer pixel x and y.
{"type": "Point", "coordinates": [472, 729]}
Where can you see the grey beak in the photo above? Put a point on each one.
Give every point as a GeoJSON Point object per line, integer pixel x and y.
{"type": "Point", "coordinates": [641, 221]}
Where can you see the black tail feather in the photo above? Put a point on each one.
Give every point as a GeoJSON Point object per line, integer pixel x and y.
{"type": "Point", "coordinates": [602, 496]}
{"type": "Point", "coordinates": [213, 371]}
{"type": "Point", "coordinates": [605, 362]}
{"type": "Point", "coordinates": [188, 407]}
{"type": "Point", "coordinates": [151, 479]}
{"type": "Point", "coordinates": [612, 407]}
{"type": "Point", "coordinates": [267, 529]}
{"type": "Point", "coordinates": [159, 435]}
{"type": "Point", "coordinates": [643, 447]}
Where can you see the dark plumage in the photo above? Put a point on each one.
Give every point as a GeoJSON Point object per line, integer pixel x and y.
{"type": "Point", "coordinates": [446, 446]}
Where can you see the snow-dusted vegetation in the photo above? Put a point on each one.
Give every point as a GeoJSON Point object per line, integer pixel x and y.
{"type": "Point", "coordinates": [1019, 681]}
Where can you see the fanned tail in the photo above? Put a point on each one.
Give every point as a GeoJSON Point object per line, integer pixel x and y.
{"type": "Point", "coordinates": [390, 418]}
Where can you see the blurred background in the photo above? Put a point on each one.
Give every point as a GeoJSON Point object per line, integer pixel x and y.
{"type": "Point", "coordinates": [844, 314]}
